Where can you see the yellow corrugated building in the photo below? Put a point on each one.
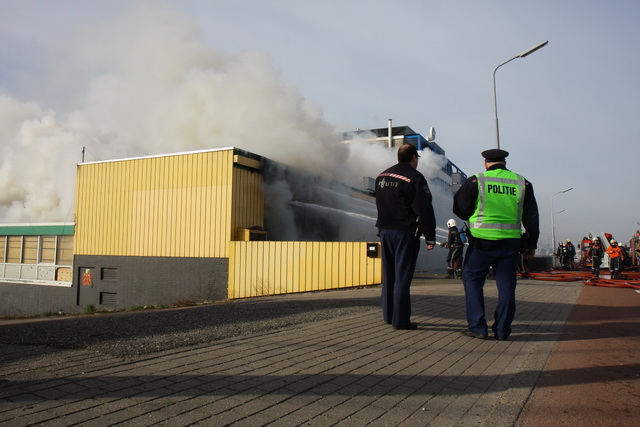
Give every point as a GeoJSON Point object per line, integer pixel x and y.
{"type": "Point", "coordinates": [191, 226]}
{"type": "Point", "coordinates": [180, 205]}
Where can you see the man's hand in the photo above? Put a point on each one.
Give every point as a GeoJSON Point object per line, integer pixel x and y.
{"type": "Point", "coordinates": [529, 253]}
{"type": "Point", "coordinates": [430, 245]}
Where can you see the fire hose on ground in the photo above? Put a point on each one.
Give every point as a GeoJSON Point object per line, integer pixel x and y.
{"type": "Point", "coordinates": [631, 278]}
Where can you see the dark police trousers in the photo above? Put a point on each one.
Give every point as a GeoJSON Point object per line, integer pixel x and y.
{"type": "Point", "coordinates": [503, 256]}
{"type": "Point", "coordinates": [399, 255]}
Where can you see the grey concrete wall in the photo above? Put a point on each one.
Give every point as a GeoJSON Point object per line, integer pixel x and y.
{"type": "Point", "coordinates": [122, 283]}
{"type": "Point", "coordinates": [22, 299]}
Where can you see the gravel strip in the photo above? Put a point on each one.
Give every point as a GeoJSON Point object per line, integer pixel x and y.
{"type": "Point", "coordinates": [132, 334]}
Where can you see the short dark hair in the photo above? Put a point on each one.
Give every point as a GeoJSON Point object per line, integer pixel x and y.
{"type": "Point", "coordinates": [406, 153]}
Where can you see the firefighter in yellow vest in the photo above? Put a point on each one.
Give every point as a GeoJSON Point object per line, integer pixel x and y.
{"type": "Point", "coordinates": [497, 203]}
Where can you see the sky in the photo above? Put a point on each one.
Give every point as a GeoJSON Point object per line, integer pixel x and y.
{"type": "Point", "coordinates": [283, 78]}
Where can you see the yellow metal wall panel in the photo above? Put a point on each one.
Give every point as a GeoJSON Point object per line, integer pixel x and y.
{"type": "Point", "coordinates": [354, 254]}
{"type": "Point", "coordinates": [180, 218]}
{"type": "Point", "coordinates": [207, 167]}
{"type": "Point", "coordinates": [309, 272]}
{"type": "Point", "coordinates": [272, 268]}
{"type": "Point", "coordinates": [362, 267]}
{"type": "Point", "coordinates": [226, 207]}
{"type": "Point", "coordinates": [312, 279]}
{"type": "Point", "coordinates": [295, 280]}
{"type": "Point", "coordinates": [272, 276]}
{"type": "Point", "coordinates": [256, 283]}
{"type": "Point", "coordinates": [342, 271]}
{"type": "Point", "coordinates": [200, 213]}
{"type": "Point", "coordinates": [335, 260]}
{"type": "Point", "coordinates": [177, 205]}
{"type": "Point", "coordinates": [288, 275]}
{"type": "Point", "coordinates": [112, 231]}
{"type": "Point", "coordinates": [264, 272]}
{"type": "Point", "coordinates": [321, 272]}
{"type": "Point", "coordinates": [350, 266]}
{"type": "Point", "coordinates": [315, 266]}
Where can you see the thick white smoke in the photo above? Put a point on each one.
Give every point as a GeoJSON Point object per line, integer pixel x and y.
{"type": "Point", "coordinates": [37, 167]}
{"type": "Point", "coordinates": [147, 84]}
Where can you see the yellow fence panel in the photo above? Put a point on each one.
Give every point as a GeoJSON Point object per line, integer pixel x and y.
{"type": "Point", "coordinates": [273, 268]}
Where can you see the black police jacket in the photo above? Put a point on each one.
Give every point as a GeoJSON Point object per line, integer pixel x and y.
{"type": "Point", "coordinates": [404, 201]}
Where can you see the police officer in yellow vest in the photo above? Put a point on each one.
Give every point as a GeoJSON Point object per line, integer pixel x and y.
{"type": "Point", "coordinates": [497, 203]}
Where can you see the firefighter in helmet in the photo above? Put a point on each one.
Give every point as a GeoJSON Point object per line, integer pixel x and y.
{"type": "Point", "coordinates": [561, 253]}
{"type": "Point", "coordinates": [571, 252]}
{"type": "Point", "coordinates": [595, 252]}
{"type": "Point", "coordinates": [615, 259]}
{"type": "Point", "coordinates": [455, 245]}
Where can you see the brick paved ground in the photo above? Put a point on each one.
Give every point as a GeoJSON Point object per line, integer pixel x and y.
{"type": "Point", "coordinates": [347, 370]}
{"type": "Point", "coordinates": [593, 375]}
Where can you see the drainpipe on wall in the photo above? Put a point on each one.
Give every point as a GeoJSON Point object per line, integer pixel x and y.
{"type": "Point", "coordinates": [390, 140]}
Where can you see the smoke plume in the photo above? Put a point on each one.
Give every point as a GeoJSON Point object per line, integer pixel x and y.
{"type": "Point", "coordinates": [147, 84]}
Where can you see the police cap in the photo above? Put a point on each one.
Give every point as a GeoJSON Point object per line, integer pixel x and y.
{"type": "Point", "coordinates": [495, 155]}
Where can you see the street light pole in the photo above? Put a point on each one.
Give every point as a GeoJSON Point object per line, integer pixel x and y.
{"type": "Point", "coordinates": [553, 228]}
{"type": "Point", "coordinates": [495, 98]}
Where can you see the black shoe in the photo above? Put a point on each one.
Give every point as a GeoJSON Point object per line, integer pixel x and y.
{"type": "Point", "coordinates": [410, 326]}
{"type": "Point", "coordinates": [500, 339]}
{"type": "Point", "coordinates": [468, 333]}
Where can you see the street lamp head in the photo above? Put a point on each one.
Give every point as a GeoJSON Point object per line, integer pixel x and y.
{"type": "Point", "coordinates": [560, 192]}
{"type": "Point", "coordinates": [495, 96]}
{"type": "Point", "coordinates": [533, 49]}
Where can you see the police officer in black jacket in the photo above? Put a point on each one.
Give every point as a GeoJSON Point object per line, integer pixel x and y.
{"type": "Point", "coordinates": [405, 211]}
